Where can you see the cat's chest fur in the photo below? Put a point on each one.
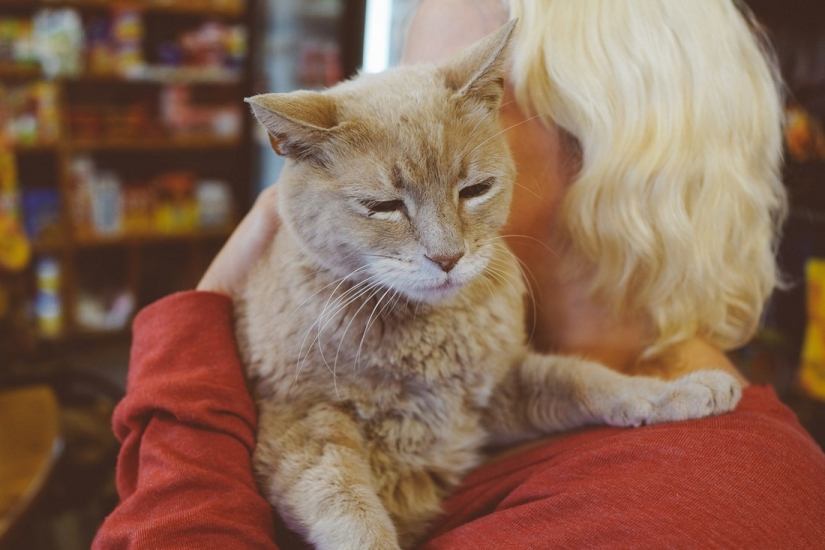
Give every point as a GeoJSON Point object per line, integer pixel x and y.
{"type": "Point", "coordinates": [307, 337]}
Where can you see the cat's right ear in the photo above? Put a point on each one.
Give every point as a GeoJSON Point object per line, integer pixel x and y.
{"type": "Point", "coordinates": [299, 123]}
{"type": "Point", "coordinates": [477, 72]}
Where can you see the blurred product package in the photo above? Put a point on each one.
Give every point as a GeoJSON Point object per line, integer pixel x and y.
{"type": "Point", "coordinates": [29, 114]}
{"type": "Point", "coordinates": [59, 40]}
{"type": "Point", "coordinates": [15, 251]}
{"type": "Point", "coordinates": [41, 213]}
{"type": "Point", "coordinates": [104, 309]}
{"type": "Point", "coordinates": [214, 203]}
{"type": "Point", "coordinates": [812, 372]}
{"type": "Point", "coordinates": [171, 202]}
{"type": "Point", "coordinates": [127, 34]}
{"type": "Point", "coordinates": [106, 192]}
{"type": "Point", "coordinates": [17, 42]}
{"type": "Point", "coordinates": [48, 305]}
{"type": "Point", "coordinates": [181, 115]}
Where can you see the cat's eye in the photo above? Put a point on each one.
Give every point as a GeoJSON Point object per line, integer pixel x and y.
{"type": "Point", "coordinates": [383, 206]}
{"type": "Point", "coordinates": [476, 190]}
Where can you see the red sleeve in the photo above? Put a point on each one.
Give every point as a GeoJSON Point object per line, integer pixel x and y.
{"type": "Point", "coordinates": [750, 479]}
{"type": "Point", "coordinates": [187, 428]}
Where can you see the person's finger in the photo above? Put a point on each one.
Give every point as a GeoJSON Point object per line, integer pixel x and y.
{"type": "Point", "coordinates": [247, 243]}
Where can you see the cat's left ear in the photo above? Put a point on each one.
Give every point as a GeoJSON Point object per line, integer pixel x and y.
{"type": "Point", "coordinates": [299, 123]}
{"type": "Point", "coordinates": [477, 72]}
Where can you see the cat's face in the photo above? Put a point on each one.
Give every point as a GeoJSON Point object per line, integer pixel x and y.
{"type": "Point", "coordinates": [400, 180]}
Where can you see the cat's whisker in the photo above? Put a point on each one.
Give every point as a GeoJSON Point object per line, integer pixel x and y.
{"type": "Point", "coordinates": [332, 317]}
{"type": "Point", "coordinates": [360, 291]}
{"type": "Point", "coordinates": [367, 328]}
{"type": "Point", "coordinates": [333, 309]}
{"type": "Point", "coordinates": [314, 294]}
{"type": "Point", "coordinates": [340, 303]}
{"type": "Point", "coordinates": [473, 150]}
{"type": "Point", "coordinates": [345, 279]}
{"type": "Point", "coordinates": [487, 284]}
{"type": "Point", "coordinates": [490, 114]}
{"type": "Point", "coordinates": [340, 307]}
{"type": "Point", "coordinates": [527, 237]}
{"type": "Point", "coordinates": [298, 254]}
{"type": "Point", "coordinates": [352, 319]}
{"type": "Point", "coordinates": [502, 276]}
{"type": "Point", "coordinates": [534, 193]}
{"type": "Point", "coordinates": [535, 184]}
{"type": "Point", "coordinates": [385, 257]}
{"type": "Point", "coordinates": [392, 302]}
{"type": "Point", "coordinates": [309, 330]}
{"type": "Point", "coordinates": [527, 275]}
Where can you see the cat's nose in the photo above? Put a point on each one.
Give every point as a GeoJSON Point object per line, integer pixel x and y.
{"type": "Point", "coordinates": [447, 263]}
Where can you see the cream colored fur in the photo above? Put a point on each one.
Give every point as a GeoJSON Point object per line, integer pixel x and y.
{"type": "Point", "coordinates": [385, 340]}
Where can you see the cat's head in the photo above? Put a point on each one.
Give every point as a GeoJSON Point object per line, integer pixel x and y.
{"type": "Point", "coordinates": [401, 178]}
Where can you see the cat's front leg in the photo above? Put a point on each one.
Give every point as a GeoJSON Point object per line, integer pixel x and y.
{"type": "Point", "coordinates": [313, 470]}
{"type": "Point", "coordinates": [547, 393]}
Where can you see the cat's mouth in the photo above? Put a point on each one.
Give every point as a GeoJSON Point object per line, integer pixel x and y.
{"type": "Point", "coordinates": [446, 286]}
{"type": "Point", "coordinates": [438, 292]}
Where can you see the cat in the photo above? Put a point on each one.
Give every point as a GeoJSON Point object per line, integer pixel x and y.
{"type": "Point", "coordinates": [384, 334]}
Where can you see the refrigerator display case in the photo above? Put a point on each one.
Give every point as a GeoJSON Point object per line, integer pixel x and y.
{"type": "Point", "coordinates": [313, 44]}
{"type": "Point", "coordinates": [304, 44]}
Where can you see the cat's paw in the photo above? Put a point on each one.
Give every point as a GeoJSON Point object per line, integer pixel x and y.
{"type": "Point", "coordinates": [696, 395]}
{"type": "Point", "coordinates": [629, 412]}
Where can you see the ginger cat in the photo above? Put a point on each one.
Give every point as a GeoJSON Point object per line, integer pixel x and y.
{"type": "Point", "coordinates": [384, 334]}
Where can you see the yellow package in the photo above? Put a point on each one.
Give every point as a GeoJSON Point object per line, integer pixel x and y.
{"type": "Point", "coordinates": [812, 372]}
{"type": "Point", "coordinates": [15, 251]}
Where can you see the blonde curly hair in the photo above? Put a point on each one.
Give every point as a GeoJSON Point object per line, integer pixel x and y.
{"type": "Point", "coordinates": [677, 110]}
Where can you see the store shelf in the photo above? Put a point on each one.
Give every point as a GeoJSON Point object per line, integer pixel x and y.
{"type": "Point", "coordinates": [164, 75]}
{"type": "Point", "coordinates": [206, 8]}
{"type": "Point", "coordinates": [325, 11]}
{"type": "Point", "coordinates": [177, 75]}
{"type": "Point", "coordinates": [182, 143]}
{"type": "Point", "coordinates": [117, 123]}
{"type": "Point", "coordinates": [149, 74]}
{"type": "Point", "coordinates": [47, 245]}
{"type": "Point", "coordinates": [19, 71]}
{"type": "Point", "coordinates": [33, 148]}
{"type": "Point", "coordinates": [92, 240]}
{"type": "Point", "coordinates": [81, 335]}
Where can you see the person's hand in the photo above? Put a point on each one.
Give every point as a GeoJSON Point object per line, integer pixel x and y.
{"type": "Point", "coordinates": [248, 242]}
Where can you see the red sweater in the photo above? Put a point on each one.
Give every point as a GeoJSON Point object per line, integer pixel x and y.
{"type": "Point", "coordinates": [750, 479]}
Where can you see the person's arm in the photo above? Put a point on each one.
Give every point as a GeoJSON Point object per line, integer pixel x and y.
{"type": "Point", "coordinates": [187, 426]}
{"type": "Point", "coordinates": [188, 423]}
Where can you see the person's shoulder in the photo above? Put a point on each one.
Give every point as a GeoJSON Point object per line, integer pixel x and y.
{"type": "Point", "coordinates": [751, 478]}
{"type": "Point", "coordinates": [762, 437]}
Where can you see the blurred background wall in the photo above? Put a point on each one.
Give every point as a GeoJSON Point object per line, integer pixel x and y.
{"type": "Point", "coordinates": [127, 156]}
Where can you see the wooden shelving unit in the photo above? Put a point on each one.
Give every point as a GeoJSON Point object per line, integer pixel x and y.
{"type": "Point", "coordinates": [137, 239]}
{"type": "Point", "coordinates": [151, 74]}
{"type": "Point", "coordinates": [148, 263]}
{"type": "Point", "coordinates": [205, 8]}
{"type": "Point", "coordinates": [179, 143]}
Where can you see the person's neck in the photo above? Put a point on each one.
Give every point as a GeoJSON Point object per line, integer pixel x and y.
{"type": "Point", "coordinates": [567, 322]}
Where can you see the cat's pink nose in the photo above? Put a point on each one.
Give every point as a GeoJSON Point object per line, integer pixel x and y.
{"type": "Point", "coordinates": [447, 263]}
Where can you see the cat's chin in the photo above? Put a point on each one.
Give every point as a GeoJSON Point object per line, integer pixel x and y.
{"type": "Point", "coordinates": [435, 294]}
